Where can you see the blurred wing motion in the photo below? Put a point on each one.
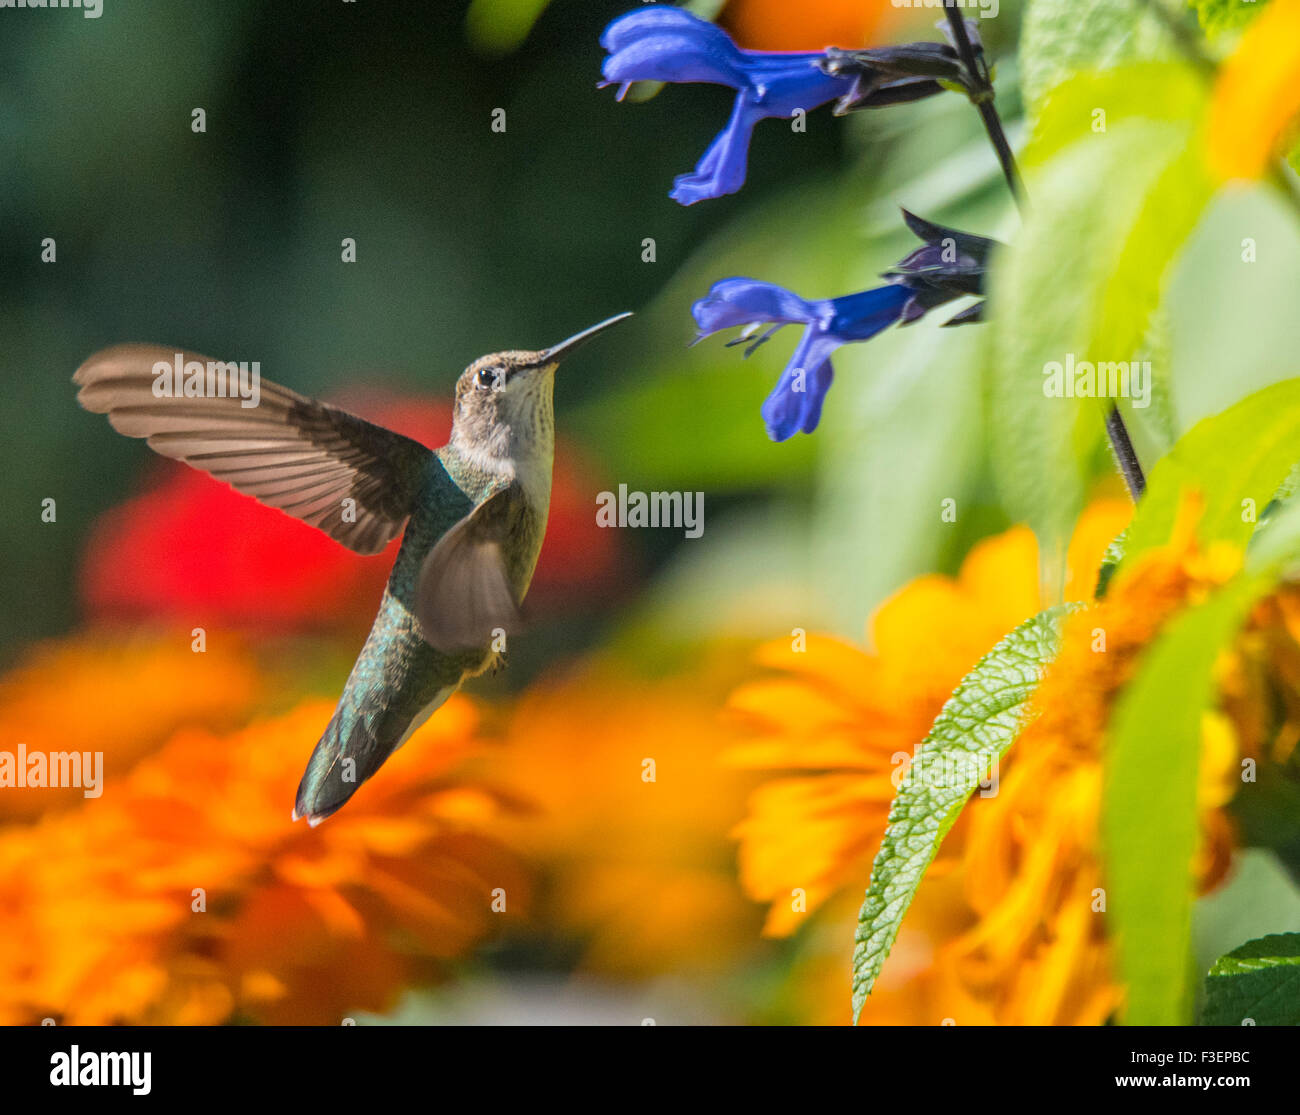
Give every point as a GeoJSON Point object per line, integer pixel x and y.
{"type": "Point", "coordinates": [464, 592]}
{"type": "Point", "coordinates": [290, 452]}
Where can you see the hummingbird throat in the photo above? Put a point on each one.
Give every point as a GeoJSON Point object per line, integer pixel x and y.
{"type": "Point", "coordinates": [509, 433]}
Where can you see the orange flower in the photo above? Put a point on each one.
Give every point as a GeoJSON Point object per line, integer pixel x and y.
{"type": "Point", "coordinates": [919, 985]}
{"type": "Point", "coordinates": [1006, 927]}
{"type": "Point", "coordinates": [1268, 672]}
{"type": "Point", "coordinates": [847, 718]}
{"type": "Point", "coordinates": [810, 25]}
{"type": "Point", "coordinates": [1257, 97]}
{"type": "Point", "coordinates": [630, 815]}
{"type": "Point", "coordinates": [117, 694]}
{"type": "Point", "coordinates": [1038, 954]}
{"type": "Point", "coordinates": [184, 894]}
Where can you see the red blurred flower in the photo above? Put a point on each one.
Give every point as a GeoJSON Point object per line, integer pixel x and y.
{"type": "Point", "coordinates": [192, 549]}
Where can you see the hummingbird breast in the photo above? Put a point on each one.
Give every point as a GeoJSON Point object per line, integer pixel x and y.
{"type": "Point", "coordinates": [399, 678]}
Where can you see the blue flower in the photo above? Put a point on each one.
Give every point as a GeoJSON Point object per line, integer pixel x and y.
{"type": "Point", "coordinates": [949, 265]}
{"type": "Point", "coordinates": [662, 43]}
{"type": "Point", "coordinates": [795, 404]}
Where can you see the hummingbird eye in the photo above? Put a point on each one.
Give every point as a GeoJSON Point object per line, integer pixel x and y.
{"type": "Point", "coordinates": [490, 378]}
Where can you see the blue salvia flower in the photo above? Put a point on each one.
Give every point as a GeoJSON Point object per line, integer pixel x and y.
{"type": "Point", "coordinates": [950, 265]}
{"type": "Point", "coordinates": [662, 43]}
{"type": "Point", "coordinates": [795, 404]}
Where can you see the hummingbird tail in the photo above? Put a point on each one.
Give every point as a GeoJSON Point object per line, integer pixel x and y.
{"type": "Point", "coordinates": [329, 781]}
{"type": "Point", "coordinates": [356, 743]}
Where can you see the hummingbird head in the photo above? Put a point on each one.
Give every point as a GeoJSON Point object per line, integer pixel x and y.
{"type": "Point", "coordinates": [503, 411]}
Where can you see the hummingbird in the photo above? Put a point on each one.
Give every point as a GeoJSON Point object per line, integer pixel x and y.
{"type": "Point", "coordinates": [474, 513]}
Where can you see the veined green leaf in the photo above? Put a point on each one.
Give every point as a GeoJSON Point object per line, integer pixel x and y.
{"type": "Point", "coordinates": [1218, 16]}
{"type": "Point", "coordinates": [1110, 563]}
{"type": "Point", "coordinates": [1259, 982]}
{"type": "Point", "coordinates": [1062, 37]}
{"type": "Point", "coordinates": [1236, 460]}
{"type": "Point", "coordinates": [1149, 821]}
{"type": "Point", "coordinates": [976, 726]}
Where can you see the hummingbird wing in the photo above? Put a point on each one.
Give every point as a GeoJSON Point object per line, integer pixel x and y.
{"type": "Point", "coordinates": [289, 451]}
{"type": "Point", "coordinates": [464, 591]}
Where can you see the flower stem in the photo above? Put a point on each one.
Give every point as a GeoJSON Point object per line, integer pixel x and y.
{"type": "Point", "coordinates": [1125, 455]}
{"type": "Point", "coordinates": [981, 96]}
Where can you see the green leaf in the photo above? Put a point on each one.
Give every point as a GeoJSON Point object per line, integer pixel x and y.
{"type": "Point", "coordinates": [1259, 981]}
{"type": "Point", "coordinates": [1267, 812]}
{"type": "Point", "coordinates": [501, 26]}
{"type": "Point", "coordinates": [1257, 898]}
{"type": "Point", "coordinates": [1061, 37]}
{"type": "Point", "coordinates": [1168, 215]}
{"type": "Point", "coordinates": [1276, 540]}
{"type": "Point", "coordinates": [1110, 563]}
{"type": "Point", "coordinates": [1149, 824]}
{"type": "Point", "coordinates": [976, 726]}
{"type": "Point", "coordinates": [705, 9]}
{"type": "Point", "coordinates": [1086, 105]}
{"type": "Point", "coordinates": [1081, 281]}
{"type": "Point", "coordinates": [1218, 16]}
{"type": "Point", "coordinates": [1149, 819]}
{"type": "Point", "coordinates": [1243, 454]}
{"type": "Point", "coordinates": [1154, 428]}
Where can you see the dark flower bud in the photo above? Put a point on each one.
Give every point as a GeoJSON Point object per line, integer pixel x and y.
{"type": "Point", "coordinates": [951, 264]}
{"type": "Point", "coordinates": [894, 74]}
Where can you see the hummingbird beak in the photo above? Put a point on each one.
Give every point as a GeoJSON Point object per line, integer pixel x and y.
{"type": "Point", "coordinates": [555, 352]}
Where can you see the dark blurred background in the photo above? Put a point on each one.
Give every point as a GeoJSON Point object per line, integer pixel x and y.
{"type": "Point", "coordinates": [324, 120]}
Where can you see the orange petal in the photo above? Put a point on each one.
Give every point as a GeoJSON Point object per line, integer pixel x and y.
{"type": "Point", "coordinates": [1257, 97]}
